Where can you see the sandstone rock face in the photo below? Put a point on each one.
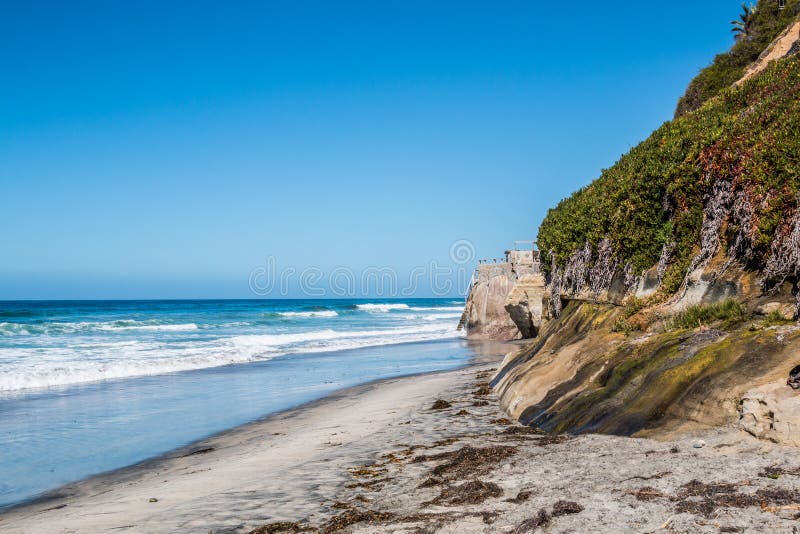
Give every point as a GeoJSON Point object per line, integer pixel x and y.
{"type": "Point", "coordinates": [715, 282]}
{"type": "Point", "coordinates": [582, 376]}
{"type": "Point", "coordinates": [648, 283]}
{"type": "Point", "coordinates": [772, 412]}
{"type": "Point", "coordinates": [784, 310]}
{"type": "Point", "coordinates": [524, 304]}
{"type": "Point", "coordinates": [487, 317]}
{"type": "Point", "coordinates": [505, 301]}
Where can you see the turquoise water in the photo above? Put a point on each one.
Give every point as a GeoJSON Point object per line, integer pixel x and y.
{"type": "Point", "coordinates": [86, 387]}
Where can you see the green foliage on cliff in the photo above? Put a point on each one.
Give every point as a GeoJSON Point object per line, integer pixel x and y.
{"type": "Point", "coordinates": [729, 312]}
{"type": "Point", "coordinates": [655, 195]}
{"type": "Point", "coordinates": [766, 23]}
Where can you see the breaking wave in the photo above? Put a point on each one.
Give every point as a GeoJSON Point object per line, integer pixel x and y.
{"type": "Point", "coordinates": [321, 313]}
{"type": "Point", "coordinates": [102, 360]}
{"type": "Point", "coordinates": [381, 308]}
{"type": "Point", "coordinates": [28, 329]}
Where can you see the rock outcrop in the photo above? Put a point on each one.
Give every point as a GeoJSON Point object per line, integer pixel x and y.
{"type": "Point", "coordinates": [781, 310]}
{"type": "Point", "coordinates": [506, 298]}
{"type": "Point", "coordinates": [772, 412]}
{"type": "Point", "coordinates": [486, 316]}
{"type": "Point", "coordinates": [581, 375]}
{"type": "Point", "coordinates": [524, 304]}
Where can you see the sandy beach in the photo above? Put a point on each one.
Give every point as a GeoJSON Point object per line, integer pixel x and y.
{"type": "Point", "coordinates": [387, 457]}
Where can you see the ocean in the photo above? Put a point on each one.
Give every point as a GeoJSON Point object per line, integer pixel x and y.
{"type": "Point", "coordinates": [87, 387]}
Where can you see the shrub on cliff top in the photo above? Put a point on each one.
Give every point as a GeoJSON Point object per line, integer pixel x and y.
{"type": "Point", "coordinates": [766, 24]}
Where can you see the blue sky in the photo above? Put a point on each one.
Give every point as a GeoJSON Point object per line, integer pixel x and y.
{"type": "Point", "coordinates": [166, 149]}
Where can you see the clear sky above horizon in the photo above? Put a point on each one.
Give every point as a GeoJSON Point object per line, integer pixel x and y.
{"type": "Point", "coordinates": [166, 149]}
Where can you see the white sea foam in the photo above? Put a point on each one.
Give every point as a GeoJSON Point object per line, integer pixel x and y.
{"type": "Point", "coordinates": [440, 316]}
{"type": "Point", "coordinates": [68, 367]}
{"type": "Point", "coordinates": [381, 308]}
{"type": "Point", "coordinates": [448, 317]}
{"type": "Point", "coordinates": [88, 359]}
{"type": "Point", "coordinates": [322, 313]}
{"type": "Point", "coordinates": [16, 329]}
{"type": "Point", "coordinates": [154, 327]}
{"type": "Point", "coordinates": [438, 308]}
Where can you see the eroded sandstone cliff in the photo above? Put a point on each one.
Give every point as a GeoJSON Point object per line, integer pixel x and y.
{"type": "Point", "coordinates": [582, 375]}
{"type": "Point", "coordinates": [671, 285]}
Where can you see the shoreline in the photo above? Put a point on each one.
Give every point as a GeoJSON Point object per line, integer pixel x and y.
{"type": "Point", "coordinates": [198, 446]}
{"type": "Point", "coordinates": [176, 409]}
{"type": "Point", "coordinates": [67, 494]}
{"type": "Point", "coordinates": [386, 456]}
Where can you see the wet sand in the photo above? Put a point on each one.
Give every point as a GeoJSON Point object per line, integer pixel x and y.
{"type": "Point", "coordinates": [379, 458]}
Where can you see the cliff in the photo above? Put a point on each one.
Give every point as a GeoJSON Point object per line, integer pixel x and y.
{"type": "Point", "coordinates": [673, 280]}
{"type": "Point", "coordinates": [584, 375]}
{"type": "Point", "coordinates": [505, 298]}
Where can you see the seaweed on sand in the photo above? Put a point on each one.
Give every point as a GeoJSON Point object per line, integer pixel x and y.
{"type": "Point", "coordinates": [775, 471]}
{"type": "Point", "coordinates": [351, 517]}
{"type": "Point", "coordinates": [700, 498]}
{"type": "Point", "coordinates": [529, 434]}
{"type": "Point", "coordinates": [467, 461]}
{"type": "Point", "coordinates": [431, 482]}
{"type": "Point", "coordinates": [566, 508]}
{"type": "Point", "coordinates": [472, 492]}
{"type": "Point", "coordinates": [368, 471]}
{"type": "Point", "coordinates": [521, 497]}
{"type": "Point", "coordinates": [441, 404]}
{"type": "Point", "coordinates": [372, 485]}
{"type": "Point", "coordinates": [541, 519]}
{"type": "Point", "coordinates": [551, 440]}
{"type": "Point", "coordinates": [697, 497]}
{"type": "Point", "coordinates": [483, 390]}
{"type": "Point", "coordinates": [282, 527]}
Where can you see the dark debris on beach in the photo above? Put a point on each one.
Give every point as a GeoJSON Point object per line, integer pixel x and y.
{"type": "Point", "coordinates": [454, 478]}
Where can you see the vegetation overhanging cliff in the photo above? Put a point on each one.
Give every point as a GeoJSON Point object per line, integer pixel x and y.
{"type": "Point", "coordinates": [728, 173]}
{"type": "Point", "coordinates": [641, 333]}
